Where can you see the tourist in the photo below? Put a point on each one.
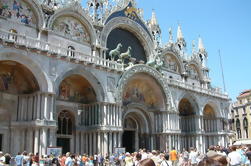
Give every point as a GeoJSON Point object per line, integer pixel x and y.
{"type": "Point", "coordinates": [95, 161]}
{"type": "Point", "coordinates": [19, 159]}
{"type": "Point", "coordinates": [2, 159]}
{"type": "Point", "coordinates": [144, 154]}
{"type": "Point", "coordinates": [137, 159]}
{"type": "Point", "coordinates": [193, 157]}
{"type": "Point", "coordinates": [185, 157]}
{"type": "Point", "coordinates": [147, 162]}
{"type": "Point", "coordinates": [7, 159]}
{"type": "Point", "coordinates": [234, 157]}
{"type": "Point", "coordinates": [35, 159]}
{"type": "Point", "coordinates": [155, 158]}
{"type": "Point", "coordinates": [122, 159]}
{"type": "Point", "coordinates": [90, 161]}
{"type": "Point", "coordinates": [100, 159]}
{"type": "Point", "coordinates": [128, 159]}
{"type": "Point", "coordinates": [174, 156]}
{"type": "Point", "coordinates": [211, 151]}
{"type": "Point", "coordinates": [165, 161]}
{"type": "Point", "coordinates": [248, 154]}
{"type": "Point", "coordinates": [69, 159]}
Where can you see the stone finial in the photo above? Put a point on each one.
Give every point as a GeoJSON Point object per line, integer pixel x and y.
{"type": "Point", "coordinates": [193, 47]}
{"type": "Point", "coordinates": [170, 35]}
{"type": "Point", "coordinates": [179, 33]}
{"type": "Point", "coordinates": [153, 20]}
{"type": "Point", "coordinates": [201, 45]}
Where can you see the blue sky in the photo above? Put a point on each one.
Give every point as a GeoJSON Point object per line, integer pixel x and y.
{"type": "Point", "coordinates": [222, 24]}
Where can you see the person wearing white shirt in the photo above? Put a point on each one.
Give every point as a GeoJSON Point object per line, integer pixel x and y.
{"type": "Point", "coordinates": [166, 161]}
{"type": "Point", "coordinates": [193, 157]}
{"type": "Point", "coordinates": [234, 158]}
{"type": "Point", "coordinates": [2, 159]}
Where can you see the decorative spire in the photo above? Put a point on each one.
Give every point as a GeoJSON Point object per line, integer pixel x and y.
{"type": "Point", "coordinates": [201, 45]}
{"type": "Point", "coordinates": [193, 47]}
{"type": "Point", "coordinates": [179, 33]}
{"type": "Point", "coordinates": [170, 35]}
{"type": "Point", "coordinates": [153, 20]}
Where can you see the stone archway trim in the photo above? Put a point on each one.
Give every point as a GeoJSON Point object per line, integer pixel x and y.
{"type": "Point", "coordinates": [43, 80]}
{"type": "Point", "coordinates": [95, 83]}
{"type": "Point", "coordinates": [131, 26]}
{"type": "Point", "coordinates": [169, 104]}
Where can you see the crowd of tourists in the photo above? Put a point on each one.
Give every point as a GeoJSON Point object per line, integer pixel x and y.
{"type": "Point", "coordinates": [215, 156]}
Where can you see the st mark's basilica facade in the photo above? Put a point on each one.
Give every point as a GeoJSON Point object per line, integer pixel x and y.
{"type": "Point", "coordinates": [95, 78]}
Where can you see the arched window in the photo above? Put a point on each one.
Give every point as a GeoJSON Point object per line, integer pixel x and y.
{"type": "Point", "coordinates": [245, 126]}
{"type": "Point", "coordinates": [238, 128]}
{"type": "Point", "coordinates": [71, 52]}
{"type": "Point", "coordinates": [65, 123]}
{"type": "Point", "coordinates": [13, 35]}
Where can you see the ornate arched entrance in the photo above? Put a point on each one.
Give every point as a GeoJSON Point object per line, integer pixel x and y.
{"type": "Point", "coordinates": [66, 129]}
{"type": "Point", "coordinates": [18, 87]}
{"type": "Point", "coordinates": [137, 130]}
{"type": "Point", "coordinates": [210, 125]}
{"type": "Point", "coordinates": [187, 115]}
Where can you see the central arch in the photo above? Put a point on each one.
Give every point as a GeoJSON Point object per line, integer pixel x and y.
{"type": "Point", "coordinates": [137, 129]}
{"type": "Point", "coordinates": [155, 75]}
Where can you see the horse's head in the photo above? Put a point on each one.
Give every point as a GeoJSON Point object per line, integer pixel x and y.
{"type": "Point", "coordinates": [129, 48]}
{"type": "Point", "coordinates": [119, 45]}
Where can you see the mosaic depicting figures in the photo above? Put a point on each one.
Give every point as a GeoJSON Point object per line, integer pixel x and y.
{"type": "Point", "coordinates": [71, 28]}
{"type": "Point", "coordinates": [16, 79]}
{"type": "Point", "coordinates": [192, 71]}
{"type": "Point", "coordinates": [171, 63]}
{"type": "Point", "coordinates": [17, 10]}
{"type": "Point", "coordinates": [142, 92]}
{"type": "Point", "coordinates": [76, 89]}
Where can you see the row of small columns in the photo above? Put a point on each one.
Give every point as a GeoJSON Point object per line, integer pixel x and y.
{"type": "Point", "coordinates": [103, 114]}
{"type": "Point", "coordinates": [34, 140]}
{"type": "Point", "coordinates": [39, 105]}
{"type": "Point", "coordinates": [97, 142]}
{"type": "Point", "coordinates": [166, 121]}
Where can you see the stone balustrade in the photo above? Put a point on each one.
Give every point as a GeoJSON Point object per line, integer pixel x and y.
{"type": "Point", "coordinates": [60, 52]}
{"type": "Point", "coordinates": [212, 92]}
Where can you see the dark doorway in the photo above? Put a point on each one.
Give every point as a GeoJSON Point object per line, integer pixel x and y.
{"type": "Point", "coordinates": [129, 141]}
{"type": "Point", "coordinates": [64, 143]}
{"type": "Point", "coordinates": [1, 142]}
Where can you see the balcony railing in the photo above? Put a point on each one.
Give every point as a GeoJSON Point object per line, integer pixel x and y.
{"type": "Point", "coordinates": [60, 52]}
{"type": "Point", "coordinates": [214, 92]}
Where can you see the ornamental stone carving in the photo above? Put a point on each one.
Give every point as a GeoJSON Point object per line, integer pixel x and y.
{"type": "Point", "coordinates": [152, 72]}
{"type": "Point", "coordinates": [72, 28]}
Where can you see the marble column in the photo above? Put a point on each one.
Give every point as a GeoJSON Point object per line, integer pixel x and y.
{"type": "Point", "coordinates": [29, 140]}
{"type": "Point", "coordinates": [38, 106]}
{"type": "Point", "coordinates": [105, 143]}
{"type": "Point", "coordinates": [82, 150]}
{"type": "Point", "coordinates": [90, 144]}
{"type": "Point", "coordinates": [95, 143]}
{"type": "Point", "coordinates": [86, 143]}
{"type": "Point", "coordinates": [99, 143]}
{"type": "Point", "coordinates": [44, 141]}
{"type": "Point", "coordinates": [77, 142]}
{"type": "Point", "coordinates": [36, 139]}
{"type": "Point", "coordinates": [110, 142]}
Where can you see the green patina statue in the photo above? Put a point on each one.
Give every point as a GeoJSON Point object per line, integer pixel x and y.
{"type": "Point", "coordinates": [126, 55]}
{"type": "Point", "coordinates": [156, 62]}
{"type": "Point", "coordinates": [116, 52]}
